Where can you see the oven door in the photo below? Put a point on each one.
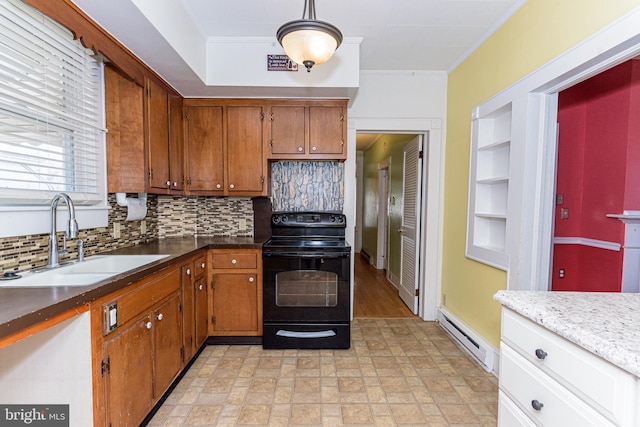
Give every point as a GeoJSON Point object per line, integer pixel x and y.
{"type": "Point", "coordinates": [306, 287]}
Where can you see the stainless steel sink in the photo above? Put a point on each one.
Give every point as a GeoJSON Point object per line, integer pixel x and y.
{"type": "Point", "coordinates": [91, 270]}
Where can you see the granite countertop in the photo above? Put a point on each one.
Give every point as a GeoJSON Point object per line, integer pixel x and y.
{"type": "Point", "coordinates": [21, 308]}
{"type": "Point", "coordinates": [606, 324]}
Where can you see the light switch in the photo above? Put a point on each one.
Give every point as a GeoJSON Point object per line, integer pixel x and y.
{"type": "Point", "coordinates": [564, 213]}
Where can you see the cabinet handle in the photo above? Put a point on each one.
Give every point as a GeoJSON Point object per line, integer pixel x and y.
{"type": "Point", "coordinates": [251, 279]}
{"type": "Point", "coordinates": [218, 186]}
{"type": "Point", "coordinates": [232, 186]}
{"type": "Point", "coordinates": [541, 354]}
{"type": "Point", "coordinates": [148, 325]}
{"type": "Point", "coordinates": [202, 265]}
{"type": "Point", "coordinates": [188, 272]}
{"type": "Point", "coordinates": [300, 149]}
{"type": "Point", "coordinates": [313, 148]}
{"type": "Point", "coordinates": [537, 405]}
{"type": "Point", "coordinates": [200, 287]}
{"type": "Point", "coordinates": [175, 184]}
{"type": "Point", "coordinates": [159, 316]}
{"type": "Point", "coordinates": [233, 261]}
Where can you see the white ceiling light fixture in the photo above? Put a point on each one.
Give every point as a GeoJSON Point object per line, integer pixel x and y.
{"type": "Point", "coordinates": [308, 41]}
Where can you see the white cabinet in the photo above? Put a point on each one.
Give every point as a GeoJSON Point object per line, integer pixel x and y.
{"type": "Point", "coordinates": [489, 186]}
{"type": "Point", "coordinates": [547, 380]}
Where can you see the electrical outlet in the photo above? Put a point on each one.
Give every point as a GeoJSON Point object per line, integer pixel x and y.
{"type": "Point", "coordinates": [143, 227]}
{"type": "Point", "coordinates": [116, 230]}
{"type": "Point", "coordinates": [561, 273]}
{"type": "Point", "coordinates": [242, 224]}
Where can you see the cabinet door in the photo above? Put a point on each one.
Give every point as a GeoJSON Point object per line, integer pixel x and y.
{"type": "Point", "coordinates": [245, 169]}
{"type": "Point", "coordinates": [188, 311]}
{"type": "Point", "coordinates": [201, 312]}
{"type": "Point", "coordinates": [235, 305]}
{"type": "Point", "coordinates": [205, 165]}
{"type": "Point", "coordinates": [167, 344]}
{"type": "Point", "coordinates": [287, 131]}
{"type": "Point", "coordinates": [327, 131]}
{"type": "Point", "coordinates": [125, 137]}
{"type": "Point", "coordinates": [129, 377]}
{"type": "Point", "coordinates": [176, 144]}
{"type": "Point", "coordinates": [157, 136]}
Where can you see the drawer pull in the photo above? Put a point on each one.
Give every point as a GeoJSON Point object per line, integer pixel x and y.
{"type": "Point", "coordinates": [537, 405]}
{"type": "Point", "coordinates": [250, 279]}
{"type": "Point", "coordinates": [541, 354]}
{"type": "Point", "coordinates": [233, 261]}
{"type": "Point", "coordinates": [148, 325]}
{"type": "Point", "coordinates": [188, 272]}
{"type": "Point", "coordinates": [159, 316]}
{"type": "Point", "coordinates": [202, 265]}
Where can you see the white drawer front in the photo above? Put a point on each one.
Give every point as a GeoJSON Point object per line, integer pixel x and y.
{"type": "Point", "coordinates": [509, 415]}
{"type": "Point", "coordinates": [604, 386]}
{"type": "Point", "coordinates": [524, 384]}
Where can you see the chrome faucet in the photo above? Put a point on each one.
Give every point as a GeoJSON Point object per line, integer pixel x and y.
{"type": "Point", "coordinates": [72, 227]}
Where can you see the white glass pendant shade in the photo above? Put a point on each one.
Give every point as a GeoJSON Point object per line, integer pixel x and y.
{"type": "Point", "coordinates": [309, 45]}
{"type": "Point", "coordinates": [309, 41]}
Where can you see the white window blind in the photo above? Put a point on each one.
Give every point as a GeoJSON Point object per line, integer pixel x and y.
{"type": "Point", "coordinates": [51, 138]}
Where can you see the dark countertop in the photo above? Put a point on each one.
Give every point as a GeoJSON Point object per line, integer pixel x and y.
{"type": "Point", "coordinates": [21, 308]}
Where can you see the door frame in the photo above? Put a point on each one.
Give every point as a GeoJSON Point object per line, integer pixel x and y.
{"type": "Point", "coordinates": [382, 260]}
{"type": "Point", "coordinates": [432, 204]}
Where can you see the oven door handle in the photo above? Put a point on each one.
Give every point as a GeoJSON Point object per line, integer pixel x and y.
{"type": "Point", "coordinates": [301, 334]}
{"type": "Point", "coordinates": [306, 255]}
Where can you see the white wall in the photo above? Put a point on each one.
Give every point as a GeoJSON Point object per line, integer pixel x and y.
{"type": "Point", "coordinates": [414, 102]}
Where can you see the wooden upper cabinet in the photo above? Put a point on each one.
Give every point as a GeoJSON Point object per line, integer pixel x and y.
{"type": "Point", "coordinates": [164, 140]}
{"type": "Point", "coordinates": [288, 131]}
{"type": "Point", "coordinates": [205, 150]}
{"type": "Point", "coordinates": [308, 130]}
{"type": "Point", "coordinates": [125, 136]}
{"type": "Point", "coordinates": [225, 143]}
{"type": "Point", "coordinates": [245, 166]}
{"type": "Point", "coordinates": [328, 131]}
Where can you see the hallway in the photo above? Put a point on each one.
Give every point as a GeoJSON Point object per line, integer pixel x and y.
{"type": "Point", "coordinates": [374, 295]}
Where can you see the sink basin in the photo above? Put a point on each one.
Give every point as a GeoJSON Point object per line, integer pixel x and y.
{"type": "Point", "coordinates": [90, 271]}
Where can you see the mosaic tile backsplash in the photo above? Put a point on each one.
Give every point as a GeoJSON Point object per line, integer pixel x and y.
{"type": "Point", "coordinates": [307, 186]}
{"type": "Point", "coordinates": [166, 217]}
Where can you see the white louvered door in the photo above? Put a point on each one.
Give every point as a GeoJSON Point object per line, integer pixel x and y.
{"type": "Point", "coordinates": [411, 189]}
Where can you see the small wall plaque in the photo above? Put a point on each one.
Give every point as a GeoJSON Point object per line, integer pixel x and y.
{"type": "Point", "coordinates": [280, 63]}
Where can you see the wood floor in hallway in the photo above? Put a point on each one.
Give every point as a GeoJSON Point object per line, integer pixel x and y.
{"type": "Point", "coordinates": [374, 295]}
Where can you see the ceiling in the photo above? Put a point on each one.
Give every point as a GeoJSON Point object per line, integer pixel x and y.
{"type": "Point", "coordinates": [396, 34]}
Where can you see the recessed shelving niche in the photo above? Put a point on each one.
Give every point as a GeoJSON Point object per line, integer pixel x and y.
{"type": "Point", "coordinates": [489, 186]}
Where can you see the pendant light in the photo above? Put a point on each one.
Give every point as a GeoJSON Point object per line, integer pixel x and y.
{"type": "Point", "coordinates": [308, 41]}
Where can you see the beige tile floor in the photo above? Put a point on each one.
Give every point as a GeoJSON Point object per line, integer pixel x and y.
{"type": "Point", "coordinates": [398, 372]}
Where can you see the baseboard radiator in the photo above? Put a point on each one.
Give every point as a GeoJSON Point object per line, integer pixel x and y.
{"type": "Point", "coordinates": [365, 255]}
{"type": "Point", "coordinates": [477, 347]}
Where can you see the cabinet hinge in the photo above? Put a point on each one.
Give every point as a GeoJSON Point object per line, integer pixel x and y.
{"type": "Point", "coordinates": [148, 90]}
{"type": "Point", "coordinates": [342, 117]}
{"type": "Point", "coordinates": [106, 366]}
{"type": "Point", "coordinates": [182, 352]}
{"type": "Point", "coordinates": [186, 116]}
{"type": "Point", "coordinates": [417, 292]}
{"type": "Point", "coordinates": [271, 117]}
{"type": "Point", "coordinates": [180, 307]}
{"type": "Point", "coordinates": [262, 117]}
{"type": "Point", "coordinates": [271, 143]}
{"type": "Point", "coordinates": [213, 320]}
{"type": "Point", "coordinates": [150, 173]}
{"type": "Point", "coordinates": [189, 181]}
{"type": "Point", "coordinates": [420, 154]}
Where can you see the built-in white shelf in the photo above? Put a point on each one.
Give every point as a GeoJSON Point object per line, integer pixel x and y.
{"type": "Point", "coordinates": [489, 187]}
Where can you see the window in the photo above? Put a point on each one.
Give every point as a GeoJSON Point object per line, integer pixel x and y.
{"type": "Point", "coordinates": [51, 112]}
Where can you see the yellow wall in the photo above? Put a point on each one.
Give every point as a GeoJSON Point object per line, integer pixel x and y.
{"type": "Point", "coordinates": [539, 31]}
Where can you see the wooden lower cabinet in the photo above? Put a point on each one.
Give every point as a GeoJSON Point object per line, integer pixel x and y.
{"type": "Point", "coordinates": [139, 356]}
{"type": "Point", "coordinates": [195, 302]}
{"type": "Point", "coordinates": [236, 297]}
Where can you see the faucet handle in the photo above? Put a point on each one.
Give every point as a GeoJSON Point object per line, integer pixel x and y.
{"type": "Point", "coordinates": [80, 244]}
{"type": "Point", "coordinates": [63, 251]}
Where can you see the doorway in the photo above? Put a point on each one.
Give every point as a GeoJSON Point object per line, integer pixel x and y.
{"type": "Point", "coordinates": [382, 185]}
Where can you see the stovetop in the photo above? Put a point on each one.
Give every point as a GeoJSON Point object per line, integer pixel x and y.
{"type": "Point", "coordinates": [307, 232]}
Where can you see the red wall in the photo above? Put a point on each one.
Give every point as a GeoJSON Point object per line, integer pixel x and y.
{"type": "Point", "coordinates": [598, 164]}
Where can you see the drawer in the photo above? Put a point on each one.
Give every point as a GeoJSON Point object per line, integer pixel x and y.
{"type": "Point", "coordinates": [525, 384]}
{"type": "Point", "coordinates": [200, 266]}
{"type": "Point", "coordinates": [604, 386]}
{"type": "Point", "coordinates": [509, 415]}
{"type": "Point", "coordinates": [148, 294]}
{"type": "Point", "coordinates": [234, 260]}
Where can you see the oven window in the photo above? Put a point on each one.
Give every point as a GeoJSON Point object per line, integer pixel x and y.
{"type": "Point", "coordinates": [306, 288]}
